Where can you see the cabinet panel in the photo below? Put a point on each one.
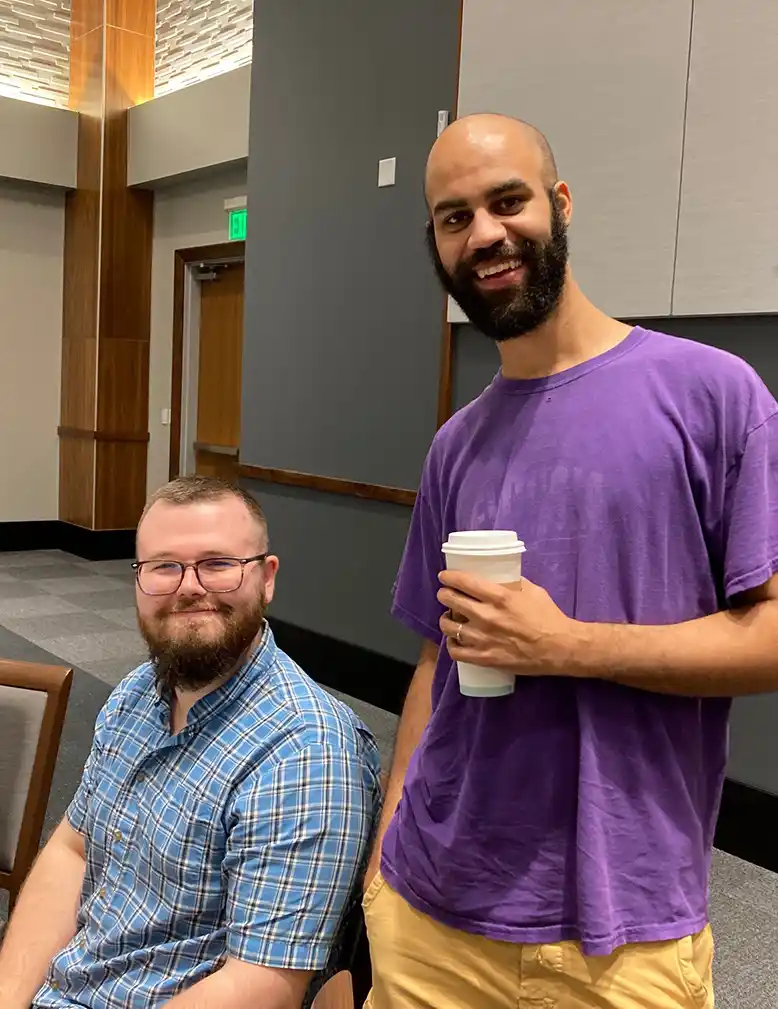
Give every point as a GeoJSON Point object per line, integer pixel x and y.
{"type": "Point", "coordinates": [606, 81]}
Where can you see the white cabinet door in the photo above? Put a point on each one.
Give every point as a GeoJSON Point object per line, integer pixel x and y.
{"type": "Point", "coordinates": [728, 234]}
{"type": "Point", "coordinates": [606, 81]}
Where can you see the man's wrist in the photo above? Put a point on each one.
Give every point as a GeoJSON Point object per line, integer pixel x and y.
{"type": "Point", "coordinates": [572, 649]}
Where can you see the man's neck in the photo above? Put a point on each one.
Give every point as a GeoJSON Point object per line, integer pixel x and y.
{"type": "Point", "coordinates": [576, 332]}
{"type": "Point", "coordinates": [184, 700]}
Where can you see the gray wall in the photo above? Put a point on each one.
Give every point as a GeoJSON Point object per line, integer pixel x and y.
{"type": "Point", "coordinates": [338, 561]}
{"type": "Point", "coordinates": [343, 316]}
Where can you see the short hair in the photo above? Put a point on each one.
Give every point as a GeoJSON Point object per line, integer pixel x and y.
{"type": "Point", "coordinates": [186, 490]}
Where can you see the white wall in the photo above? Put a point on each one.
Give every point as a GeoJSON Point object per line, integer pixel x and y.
{"type": "Point", "coordinates": [39, 144]}
{"type": "Point", "coordinates": [606, 81]}
{"type": "Point", "coordinates": [727, 259]}
{"type": "Point", "coordinates": [32, 224]}
{"type": "Point", "coordinates": [187, 215]}
{"type": "Point", "coordinates": [204, 125]}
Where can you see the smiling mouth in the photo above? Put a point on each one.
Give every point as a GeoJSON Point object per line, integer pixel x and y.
{"type": "Point", "coordinates": [495, 269]}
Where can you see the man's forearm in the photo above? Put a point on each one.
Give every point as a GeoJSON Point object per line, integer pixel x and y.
{"type": "Point", "coordinates": [726, 654]}
{"type": "Point", "coordinates": [415, 715]}
{"type": "Point", "coordinates": [42, 924]}
{"type": "Point", "coordinates": [245, 986]}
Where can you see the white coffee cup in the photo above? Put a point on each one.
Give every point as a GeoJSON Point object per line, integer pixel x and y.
{"type": "Point", "coordinates": [493, 554]}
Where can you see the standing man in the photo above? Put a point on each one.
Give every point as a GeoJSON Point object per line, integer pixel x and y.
{"type": "Point", "coordinates": [209, 852]}
{"type": "Point", "coordinates": [552, 848]}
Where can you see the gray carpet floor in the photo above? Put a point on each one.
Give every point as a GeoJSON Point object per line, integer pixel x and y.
{"type": "Point", "coordinates": [56, 608]}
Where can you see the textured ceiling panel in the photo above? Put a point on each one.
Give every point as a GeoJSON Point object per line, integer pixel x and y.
{"type": "Point", "coordinates": [35, 50]}
{"type": "Point", "coordinates": [200, 38]}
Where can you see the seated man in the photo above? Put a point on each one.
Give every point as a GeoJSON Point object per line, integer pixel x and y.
{"type": "Point", "coordinates": [226, 805]}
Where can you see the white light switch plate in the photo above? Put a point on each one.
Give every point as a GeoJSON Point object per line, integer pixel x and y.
{"type": "Point", "coordinates": [387, 169]}
{"type": "Point", "coordinates": [165, 417]}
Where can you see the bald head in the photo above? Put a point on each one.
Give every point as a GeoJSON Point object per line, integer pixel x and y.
{"type": "Point", "coordinates": [498, 218]}
{"type": "Point", "coordinates": [485, 136]}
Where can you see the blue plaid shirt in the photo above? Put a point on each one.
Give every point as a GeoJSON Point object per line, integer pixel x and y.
{"type": "Point", "coordinates": [241, 836]}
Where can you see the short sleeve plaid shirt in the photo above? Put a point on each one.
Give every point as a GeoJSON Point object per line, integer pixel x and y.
{"type": "Point", "coordinates": [241, 836]}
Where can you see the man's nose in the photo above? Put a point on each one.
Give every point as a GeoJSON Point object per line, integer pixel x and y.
{"type": "Point", "coordinates": [190, 586]}
{"type": "Point", "coordinates": [486, 230]}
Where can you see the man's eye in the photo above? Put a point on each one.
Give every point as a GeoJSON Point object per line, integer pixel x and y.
{"type": "Point", "coordinates": [455, 220]}
{"type": "Point", "coordinates": [218, 564]}
{"type": "Point", "coordinates": [510, 204]}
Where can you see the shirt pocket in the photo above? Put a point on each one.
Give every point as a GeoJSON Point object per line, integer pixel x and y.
{"type": "Point", "coordinates": [181, 841]}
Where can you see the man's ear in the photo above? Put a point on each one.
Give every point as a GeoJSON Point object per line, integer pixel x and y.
{"type": "Point", "coordinates": [563, 198]}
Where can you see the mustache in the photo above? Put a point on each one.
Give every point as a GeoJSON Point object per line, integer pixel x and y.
{"type": "Point", "coordinates": [502, 250]}
{"type": "Point", "coordinates": [195, 607]}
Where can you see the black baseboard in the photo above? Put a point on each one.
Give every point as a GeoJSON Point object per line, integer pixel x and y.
{"type": "Point", "coordinates": [91, 544]}
{"type": "Point", "coordinates": [746, 812]}
{"type": "Point", "coordinates": [745, 824]}
{"type": "Point", "coordinates": [353, 670]}
{"type": "Point", "coordinates": [29, 536]}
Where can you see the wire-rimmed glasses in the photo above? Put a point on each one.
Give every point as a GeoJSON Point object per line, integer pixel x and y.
{"type": "Point", "coordinates": [215, 574]}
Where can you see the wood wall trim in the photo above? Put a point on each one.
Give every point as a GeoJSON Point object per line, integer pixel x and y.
{"type": "Point", "coordinates": [328, 484]}
{"type": "Point", "coordinates": [182, 259]}
{"type": "Point", "coordinates": [217, 253]}
{"type": "Point", "coordinates": [228, 450]}
{"type": "Point", "coordinates": [446, 375]}
{"type": "Point", "coordinates": [86, 434]}
{"type": "Point", "coordinates": [106, 324]}
{"type": "Point", "coordinates": [446, 381]}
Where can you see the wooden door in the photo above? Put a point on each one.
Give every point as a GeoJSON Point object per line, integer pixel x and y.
{"type": "Point", "coordinates": [217, 441]}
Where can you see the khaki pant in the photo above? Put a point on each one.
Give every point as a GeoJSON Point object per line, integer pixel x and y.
{"type": "Point", "coordinates": [421, 964]}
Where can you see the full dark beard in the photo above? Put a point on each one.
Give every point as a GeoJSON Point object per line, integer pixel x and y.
{"type": "Point", "coordinates": [503, 315]}
{"type": "Point", "coordinates": [191, 661]}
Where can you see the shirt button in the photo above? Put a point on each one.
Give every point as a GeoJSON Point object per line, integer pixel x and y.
{"type": "Point", "coordinates": [102, 892]}
{"type": "Point", "coordinates": [117, 835]}
{"type": "Point", "coordinates": [141, 777]}
{"type": "Point", "coordinates": [54, 986]}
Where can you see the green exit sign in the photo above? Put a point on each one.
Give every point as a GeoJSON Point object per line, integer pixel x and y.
{"type": "Point", "coordinates": [238, 221]}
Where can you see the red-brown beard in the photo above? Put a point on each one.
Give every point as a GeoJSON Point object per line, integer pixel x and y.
{"type": "Point", "coordinates": [190, 660]}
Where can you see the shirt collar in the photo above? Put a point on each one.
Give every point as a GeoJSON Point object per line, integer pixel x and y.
{"type": "Point", "coordinates": [255, 667]}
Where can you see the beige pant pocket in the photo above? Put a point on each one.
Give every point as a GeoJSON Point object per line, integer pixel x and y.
{"type": "Point", "coordinates": [692, 971]}
{"type": "Point", "coordinates": [376, 886]}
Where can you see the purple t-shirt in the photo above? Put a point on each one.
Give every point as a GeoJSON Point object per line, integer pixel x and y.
{"type": "Point", "coordinates": [645, 485]}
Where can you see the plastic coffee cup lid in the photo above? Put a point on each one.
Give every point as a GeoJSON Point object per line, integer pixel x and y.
{"type": "Point", "coordinates": [484, 541]}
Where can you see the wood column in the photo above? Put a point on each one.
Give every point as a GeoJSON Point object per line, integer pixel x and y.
{"type": "Point", "coordinates": [107, 290]}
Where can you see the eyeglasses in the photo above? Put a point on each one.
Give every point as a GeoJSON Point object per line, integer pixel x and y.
{"type": "Point", "coordinates": [215, 574]}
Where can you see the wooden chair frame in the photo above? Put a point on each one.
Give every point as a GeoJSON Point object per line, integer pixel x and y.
{"type": "Point", "coordinates": [55, 682]}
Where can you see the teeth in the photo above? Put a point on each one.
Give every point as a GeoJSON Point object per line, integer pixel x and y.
{"type": "Point", "coordinates": [492, 271]}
